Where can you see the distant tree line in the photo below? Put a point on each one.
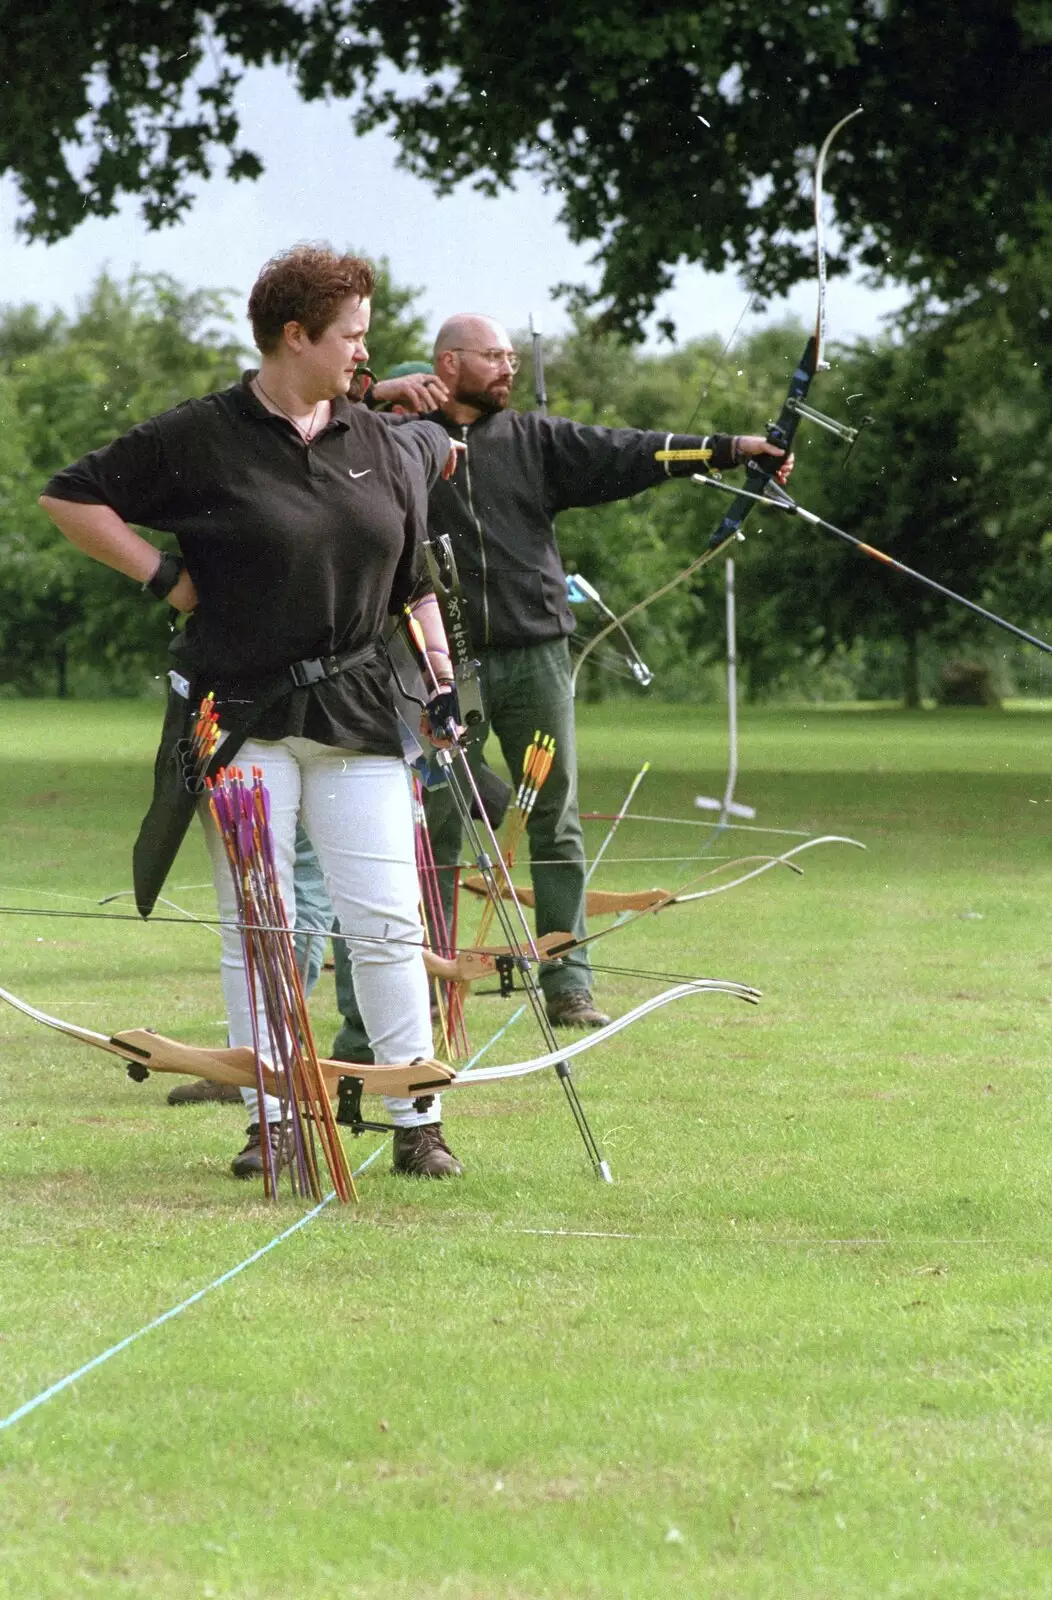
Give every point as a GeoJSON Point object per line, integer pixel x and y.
{"type": "Point", "coordinates": [950, 477]}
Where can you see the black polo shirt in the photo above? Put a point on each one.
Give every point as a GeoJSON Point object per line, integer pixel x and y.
{"type": "Point", "coordinates": [296, 550]}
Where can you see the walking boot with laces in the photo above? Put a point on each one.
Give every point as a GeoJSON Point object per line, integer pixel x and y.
{"type": "Point", "coordinates": [249, 1163]}
{"type": "Point", "coordinates": [423, 1153]}
{"type": "Point", "coordinates": [575, 1010]}
{"type": "Point", "coordinates": [202, 1089]}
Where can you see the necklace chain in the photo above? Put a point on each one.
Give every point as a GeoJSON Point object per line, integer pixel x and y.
{"type": "Point", "coordinates": [307, 433]}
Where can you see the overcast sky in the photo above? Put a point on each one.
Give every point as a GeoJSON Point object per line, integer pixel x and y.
{"type": "Point", "coordinates": [465, 252]}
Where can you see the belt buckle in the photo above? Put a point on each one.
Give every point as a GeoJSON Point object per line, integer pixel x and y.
{"type": "Point", "coordinates": [304, 673]}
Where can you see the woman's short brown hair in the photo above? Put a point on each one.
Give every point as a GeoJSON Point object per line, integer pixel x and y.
{"type": "Point", "coordinates": [306, 284]}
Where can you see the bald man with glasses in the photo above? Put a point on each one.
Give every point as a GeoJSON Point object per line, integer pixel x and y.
{"type": "Point", "coordinates": [521, 469]}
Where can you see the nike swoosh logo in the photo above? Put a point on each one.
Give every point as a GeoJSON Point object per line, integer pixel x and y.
{"type": "Point", "coordinates": [362, 474]}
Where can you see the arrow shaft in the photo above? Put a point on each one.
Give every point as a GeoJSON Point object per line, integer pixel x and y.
{"type": "Point", "coordinates": [783, 503]}
{"type": "Point", "coordinates": [922, 578]}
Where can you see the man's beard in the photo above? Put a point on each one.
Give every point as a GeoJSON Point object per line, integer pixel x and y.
{"type": "Point", "coordinates": [487, 401]}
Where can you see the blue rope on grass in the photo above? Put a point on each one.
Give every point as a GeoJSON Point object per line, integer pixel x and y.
{"type": "Point", "coordinates": [477, 1057]}
{"type": "Point", "coordinates": [115, 1349]}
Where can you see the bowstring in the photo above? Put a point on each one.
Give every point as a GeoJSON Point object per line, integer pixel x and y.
{"type": "Point", "coordinates": [215, 923]}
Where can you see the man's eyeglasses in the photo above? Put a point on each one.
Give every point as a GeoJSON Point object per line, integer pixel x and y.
{"type": "Point", "coordinates": [494, 357]}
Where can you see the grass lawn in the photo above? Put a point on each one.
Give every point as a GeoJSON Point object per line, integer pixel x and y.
{"type": "Point", "coordinates": [799, 1349]}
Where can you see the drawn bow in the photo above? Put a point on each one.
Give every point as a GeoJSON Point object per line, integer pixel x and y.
{"type": "Point", "coordinates": [759, 472]}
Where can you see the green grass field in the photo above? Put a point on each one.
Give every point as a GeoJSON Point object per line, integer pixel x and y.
{"type": "Point", "coordinates": [799, 1349]}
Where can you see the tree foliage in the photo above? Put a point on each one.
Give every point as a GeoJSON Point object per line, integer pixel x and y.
{"type": "Point", "coordinates": [950, 478]}
{"type": "Point", "coordinates": [676, 132]}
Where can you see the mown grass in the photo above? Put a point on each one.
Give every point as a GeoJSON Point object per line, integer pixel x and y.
{"type": "Point", "coordinates": [800, 1348]}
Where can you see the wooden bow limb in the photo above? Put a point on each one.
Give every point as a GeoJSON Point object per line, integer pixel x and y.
{"type": "Point", "coordinates": [680, 991]}
{"type": "Point", "coordinates": [143, 1048]}
{"type": "Point", "coordinates": [600, 902]}
{"type": "Point", "coordinates": [597, 902]}
{"type": "Point", "coordinates": [543, 942]}
{"type": "Point", "coordinates": [681, 897]}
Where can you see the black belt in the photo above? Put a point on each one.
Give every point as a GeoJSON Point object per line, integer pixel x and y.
{"type": "Point", "coordinates": [318, 668]}
{"type": "Point", "coordinates": [262, 694]}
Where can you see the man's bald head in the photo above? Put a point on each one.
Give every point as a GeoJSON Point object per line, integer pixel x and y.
{"type": "Point", "coordinates": [468, 330]}
{"type": "Point", "coordinates": [475, 360]}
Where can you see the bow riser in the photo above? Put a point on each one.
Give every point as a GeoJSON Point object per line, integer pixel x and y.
{"type": "Point", "coordinates": [780, 433]}
{"type": "Point", "coordinates": [237, 1066]}
{"type": "Point", "coordinates": [467, 966]}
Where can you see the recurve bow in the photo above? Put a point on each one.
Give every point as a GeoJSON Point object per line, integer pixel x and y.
{"type": "Point", "coordinates": [759, 472]}
{"type": "Point", "coordinates": [146, 1051]}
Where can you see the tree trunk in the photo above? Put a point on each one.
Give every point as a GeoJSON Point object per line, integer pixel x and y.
{"type": "Point", "coordinates": [62, 669]}
{"type": "Point", "coordinates": [911, 695]}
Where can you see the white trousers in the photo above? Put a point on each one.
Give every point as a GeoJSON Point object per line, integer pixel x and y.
{"type": "Point", "coordinates": [357, 811]}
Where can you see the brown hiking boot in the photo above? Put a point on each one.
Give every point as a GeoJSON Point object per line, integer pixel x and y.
{"type": "Point", "coordinates": [192, 1094]}
{"type": "Point", "coordinates": [249, 1163]}
{"type": "Point", "coordinates": [423, 1153]}
{"type": "Point", "coordinates": [575, 1010]}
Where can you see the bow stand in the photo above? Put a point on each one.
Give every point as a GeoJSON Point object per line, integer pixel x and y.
{"type": "Point", "coordinates": [507, 907]}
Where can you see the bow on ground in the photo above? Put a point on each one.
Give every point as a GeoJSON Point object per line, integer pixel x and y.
{"type": "Point", "coordinates": [597, 902]}
{"type": "Point", "coordinates": [645, 902]}
{"type": "Point", "coordinates": [680, 897]}
{"type": "Point", "coordinates": [146, 1051]}
{"type": "Point", "coordinates": [759, 472]}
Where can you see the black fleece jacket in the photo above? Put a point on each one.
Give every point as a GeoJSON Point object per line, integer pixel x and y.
{"type": "Point", "coordinates": [521, 470]}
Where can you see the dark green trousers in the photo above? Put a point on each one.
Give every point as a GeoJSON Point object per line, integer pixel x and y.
{"type": "Point", "coordinates": [524, 691]}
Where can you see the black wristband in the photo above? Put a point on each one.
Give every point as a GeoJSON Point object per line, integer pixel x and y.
{"type": "Point", "coordinates": [164, 580]}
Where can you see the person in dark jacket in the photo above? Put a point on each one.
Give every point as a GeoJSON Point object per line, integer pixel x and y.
{"type": "Point", "coordinates": [520, 470]}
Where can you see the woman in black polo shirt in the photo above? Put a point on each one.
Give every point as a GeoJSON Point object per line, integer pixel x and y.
{"type": "Point", "coordinates": [299, 521]}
